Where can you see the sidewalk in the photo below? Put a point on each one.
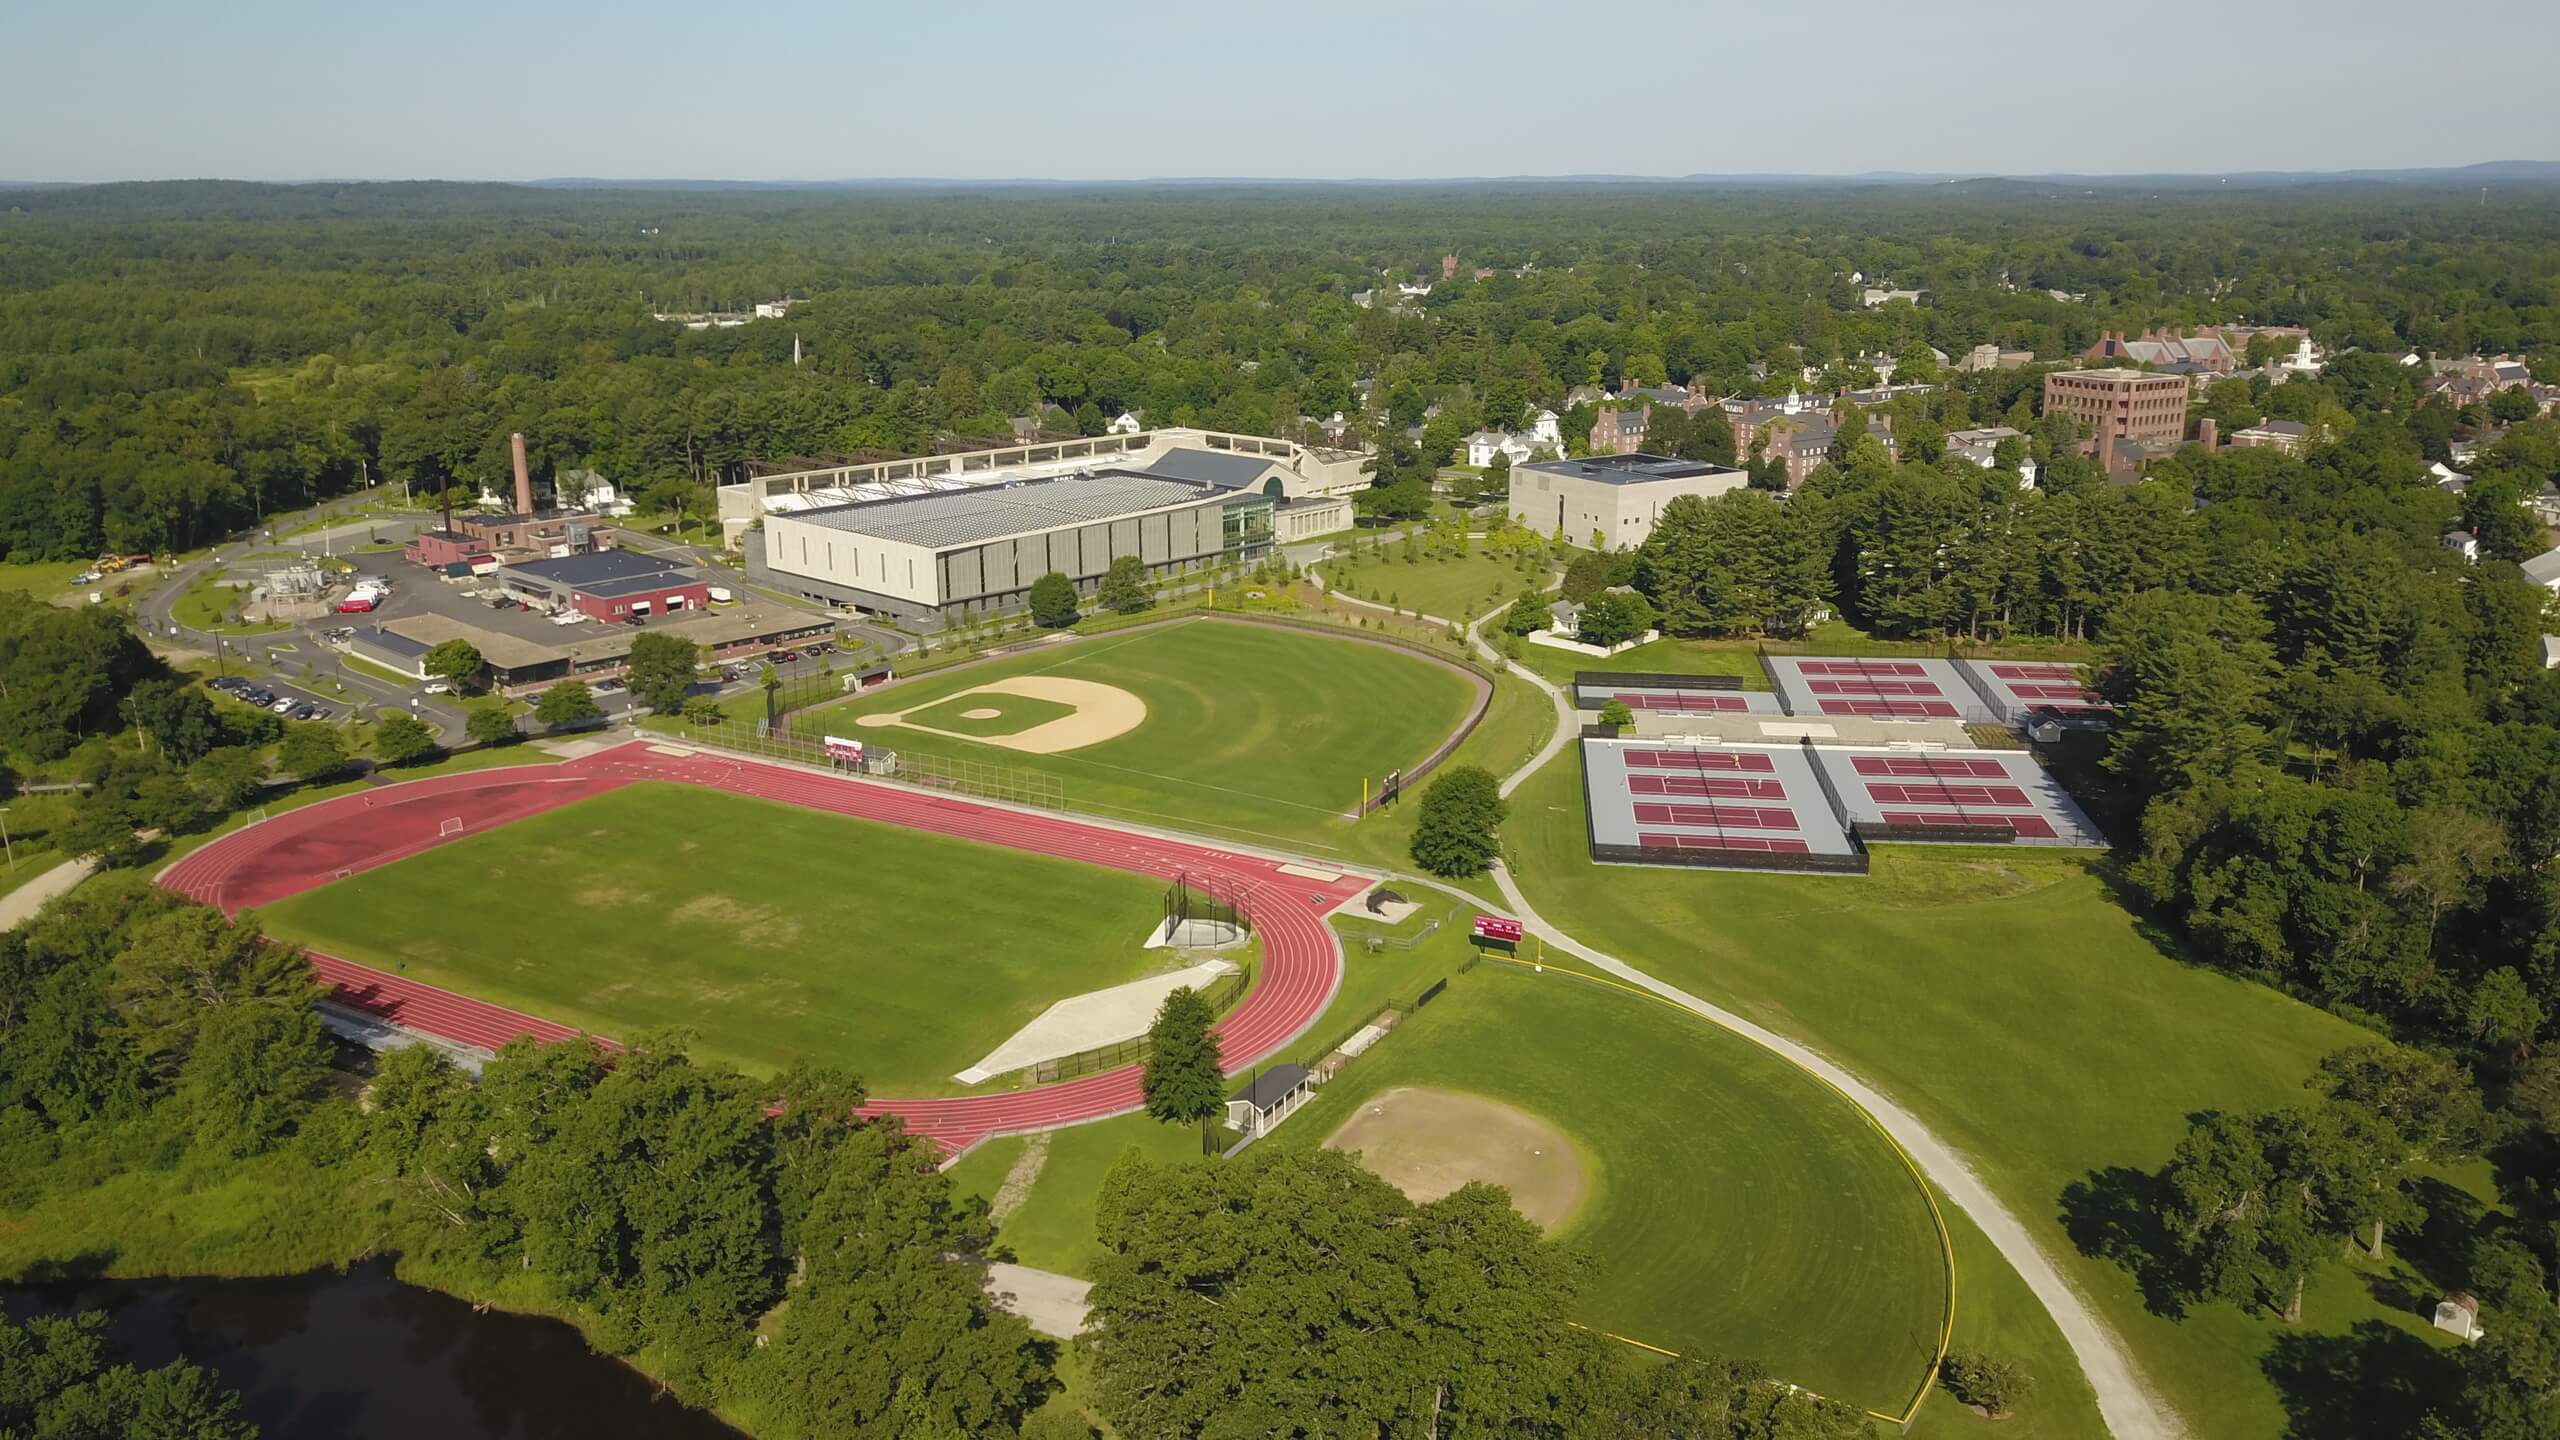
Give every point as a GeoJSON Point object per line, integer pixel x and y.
{"type": "Point", "coordinates": [21, 904]}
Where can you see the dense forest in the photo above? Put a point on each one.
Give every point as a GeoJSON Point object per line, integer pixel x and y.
{"type": "Point", "coordinates": [177, 360]}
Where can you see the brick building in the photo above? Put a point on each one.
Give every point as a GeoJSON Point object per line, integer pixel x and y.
{"type": "Point", "coordinates": [2119, 405]}
{"type": "Point", "coordinates": [1620, 432]}
{"type": "Point", "coordinates": [607, 585]}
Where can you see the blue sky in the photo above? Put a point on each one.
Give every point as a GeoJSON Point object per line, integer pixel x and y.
{"type": "Point", "coordinates": [798, 89]}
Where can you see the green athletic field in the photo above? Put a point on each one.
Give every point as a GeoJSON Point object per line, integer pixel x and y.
{"type": "Point", "coordinates": [772, 932]}
{"type": "Point", "coordinates": [1454, 589]}
{"type": "Point", "coordinates": [1734, 1204]}
{"type": "Point", "coordinates": [2032, 1022]}
{"type": "Point", "coordinates": [1250, 729]}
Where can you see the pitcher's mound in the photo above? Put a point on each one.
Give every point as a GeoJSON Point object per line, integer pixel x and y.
{"type": "Point", "coordinates": [1427, 1143]}
{"type": "Point", "coordinates": [983, 712]}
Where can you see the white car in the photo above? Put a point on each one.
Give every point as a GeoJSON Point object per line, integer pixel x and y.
{"type": "Point", "coordinates": [439, 687]}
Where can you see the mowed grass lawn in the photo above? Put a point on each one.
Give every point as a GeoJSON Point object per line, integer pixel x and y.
{"type": "Point", "coordinates": [1733, 1206]}
{"type": "Point", "coordinates": [1453, 589]}
{"type": "Point", "coordinates": [1250, 729]}
{"type": "Point", "coordinates": [2009, 1001]}
{"type": "Point", "coordinates": [772, 932]}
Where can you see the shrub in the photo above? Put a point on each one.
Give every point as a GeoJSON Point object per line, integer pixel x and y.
{"type": "Point", "coordinates": [1994, 1382]}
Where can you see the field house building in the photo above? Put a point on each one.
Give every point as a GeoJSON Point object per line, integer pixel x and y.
{"type": "Point", "coordinates": [1313, 484]}
{"type": "Point", "coordinates": [1617, 497]}
{"type": "Point", "coordinates": [982, 546]}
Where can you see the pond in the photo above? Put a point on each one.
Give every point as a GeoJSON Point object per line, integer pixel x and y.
{"type": "Point", "coordinates": [330, 1355]}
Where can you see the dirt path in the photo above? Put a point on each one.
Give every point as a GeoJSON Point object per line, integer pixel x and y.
{"type": "Point", "coordinates": [1019, 1180]}
{"type": "Point", "coordinates": [2127, 1405]}
{"type": "Point", "coordinates": [21, 904]}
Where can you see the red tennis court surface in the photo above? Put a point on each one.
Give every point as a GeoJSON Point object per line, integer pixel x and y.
{"type": "Point", "coordinates": [1861, 667]}
{"type": "Point", "coordinates": [1764, 843]}
{"type": "Point", "coordinates": [1739, 817]}
{"type": "Point", "coordinates": [2013, 671]}
{"type": "Point", "coordinates": [2034, 826]}
{"type": "Point", "coordinates": [311, 846]}
{"type": "Point", "coordinates": [1930, 766]}
{"type": "Point", "coordinates": [1720, 787]}
{"type": "Point", "coordinates": [1891, 709]}
{"type": "Point", "coordinates": [1927, 689]}
{"type": "Point", "coordinates": [1727, 760]}
{"type": "Point", "coordinates": [1985, 795]}
{"type": "Point", "coordinates": [1685, 704]}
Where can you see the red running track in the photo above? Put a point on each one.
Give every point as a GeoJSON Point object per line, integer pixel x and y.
{"type": "Point", "coordinates": [309, 847]}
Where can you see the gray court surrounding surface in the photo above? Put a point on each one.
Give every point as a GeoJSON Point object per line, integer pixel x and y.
{"type": "Point", "coordinates": [1959, 788]}
{"type": "Point", "coordinates": [2018, 688]}
{"type": "Point", "coordinates": [1660, 795]}
{"type": "Point", "coordinates": [1678, 701]}
{"type": "Point", "coordinates": [1879, 688]}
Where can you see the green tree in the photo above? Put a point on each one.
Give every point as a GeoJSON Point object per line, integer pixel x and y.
{"type": "Point", "coordinates": [177, 967]}
{"type": "Point", "coordinates": [60, 1380]}
{"type": "Point", "coordinates": [176, 717]}
{"type": "Point", "coordinates": [254, 1072]}
{"type": "Point", "coordinates": [1053, 601]}
{"type": "Point", "coordinates": [568, 705]}
{"type": "Point", "coordinates": [1995, 1383]}
{"type": "Point", "coordinates": [1184, 1078]}
{"type": "Point", "coordinates": [488, 723]}
{"type": "Point", "coordinates": [1457, 833]}
{"type": "Point", "coordinates": [1124, 586]}
{"type": "Point", "coordinates": [2426, 1104]}
{"type": "Point", "coordinates": [229, 778]}
{"type": "Point", "coordinates": [1616, 714]}
{"type": "Point", "coordinates": [2255, 1203]}
{"type": "Point", "coordinates": [402, 739]}
{"type": "Point", "coordinates": [660, 671]}
{"type": "Point", "coordinates": [1527, 614]}
{"type": "Point", "coordinates": [1614, 617]}
{"type": "Point", "coordinates": [457, 662]}
{"type": "Point", "coordinates": [311, 753]}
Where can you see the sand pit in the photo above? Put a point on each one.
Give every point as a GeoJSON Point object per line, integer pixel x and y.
{"type": "Point", "coordinates": [1103, 712]}
{"type": "Point", "coordinates": [1427, 1143]}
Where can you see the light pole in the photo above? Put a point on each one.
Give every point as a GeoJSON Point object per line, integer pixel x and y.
{"type": "Point", "coordinates": [5, 847]}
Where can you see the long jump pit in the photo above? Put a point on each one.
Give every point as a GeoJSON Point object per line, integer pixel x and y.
{"type": "Point", "coordinates": [1034, 714]}
{"type": "Point", "coordinates": [1427, 1143]}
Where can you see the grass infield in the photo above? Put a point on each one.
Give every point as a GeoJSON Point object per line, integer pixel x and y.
{"type": "Point", "coordinates": [1014, 714]}
{"type": "Point", "coordinates": [1250, 729]}
{"type": "Point", "coordinates": [1733, 1205]}
{"type": "Point", "coordinates": [771, 932]}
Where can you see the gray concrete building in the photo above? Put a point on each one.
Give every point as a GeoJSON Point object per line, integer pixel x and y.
{"type": "Point", "coordinates": [922, 557]}
{"type": "Point", "coordinates": [1614, 497]}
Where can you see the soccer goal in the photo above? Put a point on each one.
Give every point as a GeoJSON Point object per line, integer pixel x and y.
{"type": "Point", "coordinates": [452, 826]}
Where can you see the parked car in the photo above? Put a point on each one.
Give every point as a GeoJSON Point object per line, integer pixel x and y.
{"type": "Point", "coordinates": [439, 687]}
{"type": "Point", "coordinates": [306, 711]}
{"type": "Point", "coordinates": [282, 707]}
{"type": "Point", "coordinates": [786, 657]}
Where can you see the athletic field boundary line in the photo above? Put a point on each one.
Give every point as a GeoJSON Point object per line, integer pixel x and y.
{"type": "Point", "coordinates": [1937, 1218]}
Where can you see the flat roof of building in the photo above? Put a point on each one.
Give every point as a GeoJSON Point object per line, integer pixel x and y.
{"type": "Point", "coordinates": [1223, 468]}
{"type": "Point", "coordinates": [586, 644]}
{"type": "Point", "coordinates": [991, 512]}
{"type": "Point", "coordinates": [596, 567]}
{"type": "Point", "coordinates": [2111, 372]}
{"type": "Point", "coordinates": [1636, 469]}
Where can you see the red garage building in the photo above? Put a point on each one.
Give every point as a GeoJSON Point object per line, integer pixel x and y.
{"type": "Point", "coordinates": [608, 585]}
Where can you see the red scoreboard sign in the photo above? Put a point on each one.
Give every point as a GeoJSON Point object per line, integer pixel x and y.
{"type": "Point", "coordinates": [1498, 930]}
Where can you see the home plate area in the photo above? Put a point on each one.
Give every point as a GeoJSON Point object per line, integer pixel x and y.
{"type": "Point", "coordinates": [1032, 714]}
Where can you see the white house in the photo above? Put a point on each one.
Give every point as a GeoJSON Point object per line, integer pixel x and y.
{"type": "Point", "coordinates": [1412, 291]}
{"type": "Point", "coordinates": [2464, 544]}
{"type": "Point", "coordinates": [593, 493]}
{"type": "Point", "coordinates": [1129, 423]}
{"type": "Point", "coordinates": [1544, 429]}
{"type": "Point", "coordinates": [1483, 445]}
{"type": "Point", "coordinates": [2544, 569]}
{"type": "Point", "coordinates": [772, 309]}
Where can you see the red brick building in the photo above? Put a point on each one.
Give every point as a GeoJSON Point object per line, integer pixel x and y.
{"type": "Point", "coordinates": [607, 585]}
{"type": "Point", "coordinates": [2119, 405]}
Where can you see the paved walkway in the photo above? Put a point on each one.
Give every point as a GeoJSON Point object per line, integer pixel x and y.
{"type": "Point", "coordinates": [2124, 1402]}
{"type": "Point", "coordinates": [20, 905]}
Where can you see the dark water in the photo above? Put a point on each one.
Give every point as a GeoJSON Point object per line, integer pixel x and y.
{"type": "Point", "coordinates": [325, 1356]}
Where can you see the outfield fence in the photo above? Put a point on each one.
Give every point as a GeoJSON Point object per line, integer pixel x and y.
{"type": "Point", "coordinates": [982, 779]}
{"type": "Point", "coordinates": [1221, 993]}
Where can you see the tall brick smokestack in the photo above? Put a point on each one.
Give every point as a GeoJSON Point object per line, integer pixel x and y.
{"type": "Point", "coordinates": [524, 476]}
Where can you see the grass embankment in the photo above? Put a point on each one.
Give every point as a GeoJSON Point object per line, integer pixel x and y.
{"type": "Point", "coordinates": [214, 607]}
{"type": "Point", "coordinates": [772, 932]}
{"type": "Point", "coordinates": [1451, 587]}
{"type": "Point", "coordinates": [2009, 1001]}
{"type": "Point", "coordinates": [1251, 731]}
